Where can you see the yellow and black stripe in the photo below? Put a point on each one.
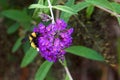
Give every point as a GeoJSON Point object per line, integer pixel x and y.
{"type": "Point", "coordinates": [33, 37]}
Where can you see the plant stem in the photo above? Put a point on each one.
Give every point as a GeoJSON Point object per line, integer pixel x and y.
{"type": "Point", "coordinates": [52, 16]}
{"type": "Point", "coordinates": [66, 69]}
{"type": "Point", "coordinates": [68, 73]}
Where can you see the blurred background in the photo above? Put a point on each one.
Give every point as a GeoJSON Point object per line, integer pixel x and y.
{"type": "Point", "coordinates": [99, 32]}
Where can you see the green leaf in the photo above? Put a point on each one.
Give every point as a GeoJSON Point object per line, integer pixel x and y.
{"type": "Point", "coordinates": [89, 11]}
{"type": "Point", "coordinates": [17, 44]}
{"type": "Point", "coordinates": [25, 25]}
{"type": "Point", "coordinates": [78, 7]}
{"type": "Point", "coordinates": [35, 14]}
{"type": "Point", "coordinates": [118, 20]}
{"type": "Point", "coordinates": [50, 75]}
{"type": "Point", "coordinates": [85, 52]}
{"type": "Point", "coordinates": [101, 3]}
{"type": "Point", "coordinates": [28, 57]}
{"type": "Point", "coordinates": [13, 28]}
{"type": "Point", "coordinates": [53, 2]}
{"type": "Point", "coordinates": [26, 44]}
{"type": "Point", "coordinates": [43, 70]}
{"type": "Point", "coordinates": [32, 6]}
{"type": "Point", "coordinates": [17, 15]}
{"type": "Point", "coordinates": [116, 7]}
{"type": "Point", "coordinates": [65, 16]}
{"type": "Point", "coordinates": [70, 2]}
{"type": "Point", "coordinates": [65, 9]}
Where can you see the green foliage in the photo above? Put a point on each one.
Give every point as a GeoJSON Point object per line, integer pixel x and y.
{"type": "Point", "coordinates": [85, 52]}
{"type": "Point", "coordinates": [116, 7]}
{"type": "Point", "coordinates": [111, 7]}
{"type": "Point", "coordinates": [17, 15]}
{"type": "Point", "coordinates": [37, 10]}
{"type": "Point", "coordinates": [29, 56]}
{"type": "Point", "coordinates": [59, 7]}
{"type": "Point", "coordinates": [80, 6]}
{"type": "Point", "coordinates": [101, 3]}
{"type": "Point", "coordinates": [26, 45]}
{"type": "Point", "coordinates": [118, 18]}
{"type": "Point", "coordinates": [37, 6]}
{"type": "Point", "coordinates": [67, 78]}
{"type": "Point", "coordinates": [65, 9]}
{"type": "Point", "coordinates": [4, 4]}
{"type": "Point", "coordinates": [77, 7]}
{"type": "Point", "coordinates": [43, 70]}
{"type": "Point", "coordinates": [89, 11]}
{"type": "Point", "coordinates": [13, 28]}
{"type": "Point", "coordinates": [70, 3]}
{"type": "Point", "coordinates": [21, 18]}
{"type": "Point", "coordinates": [53, 2]}
{"type": "Point", "coordinates": [17, 44]}
{"type": "Point", "coordinates": [50, 75]}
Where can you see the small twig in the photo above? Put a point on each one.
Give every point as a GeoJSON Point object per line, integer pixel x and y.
{"type": "Point", "coordinates": [52, 16]}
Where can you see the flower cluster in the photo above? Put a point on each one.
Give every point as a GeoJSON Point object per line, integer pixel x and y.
{"type": "Point", "coordinates": [53, 39]}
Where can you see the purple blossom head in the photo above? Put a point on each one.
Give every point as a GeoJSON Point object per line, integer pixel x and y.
{"type": "Point", "coordinates": [55, 38]}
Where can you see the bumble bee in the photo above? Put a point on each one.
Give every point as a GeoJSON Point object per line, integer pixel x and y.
{"type": "Point", "coordinates": [33, 38]}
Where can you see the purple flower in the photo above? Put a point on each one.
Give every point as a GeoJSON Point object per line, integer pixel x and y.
{"type": "Point", "coordinates": [55, 38]}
